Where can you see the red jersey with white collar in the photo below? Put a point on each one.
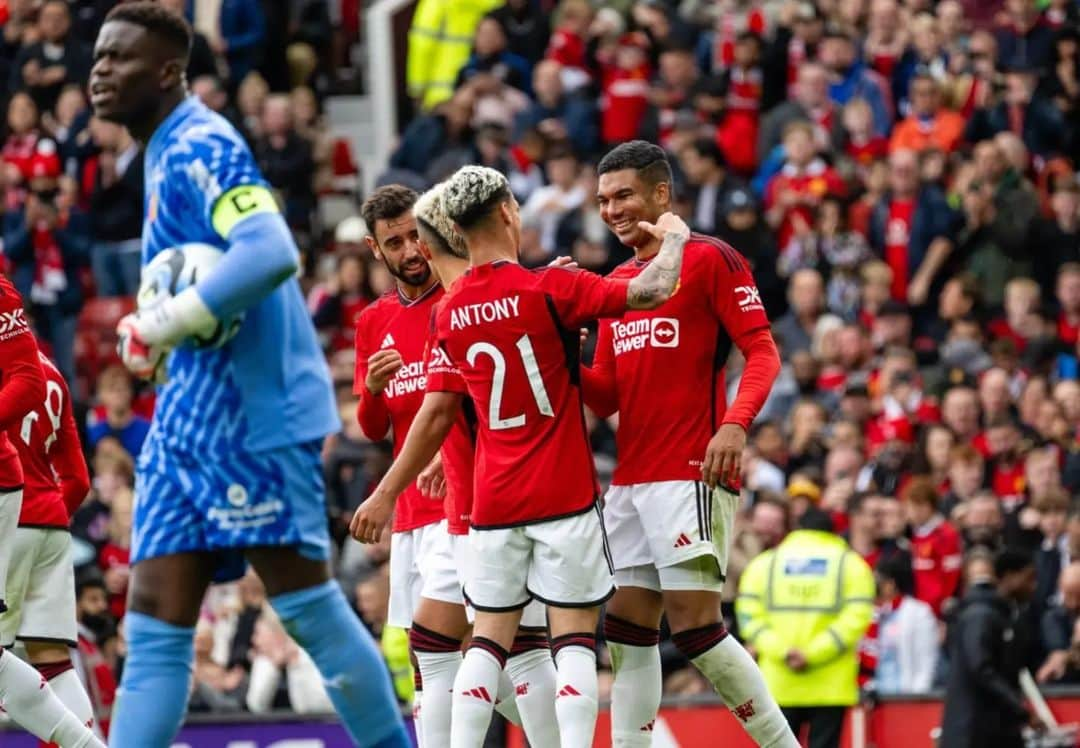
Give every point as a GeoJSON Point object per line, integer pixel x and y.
{"type": "Point", "coordinates": [513, 335]}
{"type": "Point", "coordinates": [665, 366]}
{"type": "Point", "coordinates": [22, 384]}
{"type": "Point", "coordinates": [402, 324]}
{"type": "Point", "coordinates": [54, 469]}
{"type": "Point", "coordinates": [936, 560]}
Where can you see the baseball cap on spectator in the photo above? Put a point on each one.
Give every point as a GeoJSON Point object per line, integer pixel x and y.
{"type": "Point", "coordinates": [802, 487]}
{"type": "Point", "coordinates": [738, 199]}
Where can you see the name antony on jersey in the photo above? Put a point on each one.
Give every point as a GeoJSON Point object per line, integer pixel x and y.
{"type": "Point", "coordinates": [488, 311]}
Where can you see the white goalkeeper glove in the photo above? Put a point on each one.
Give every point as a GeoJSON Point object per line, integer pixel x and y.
{"type": "Point", "coordinates": [146, 336]}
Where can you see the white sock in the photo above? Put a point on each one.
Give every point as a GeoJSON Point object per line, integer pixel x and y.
{"type": "Point", "coordinates": [438, 670]}
{"type": "Point", "coordinates": [635, 694]}
{"type": "Point", "coordinates": [10, 504]}
{"type": "Point", "coordinates": [28, 699]}
{"type": "Point", "coordinates": [506, 701]}
{"type": "Point", "coordinates": [534, 677]}
{"type": "Point", "coordinates": [69, 689]}
{"type": "Point", "coordinates": [739, 682]}
{"type": "Point", "coordinates": [576, 695]}
{"type": "Point", "coordinates": [475, 689]}
{"type": "Point", "coordinates": [418, 716]}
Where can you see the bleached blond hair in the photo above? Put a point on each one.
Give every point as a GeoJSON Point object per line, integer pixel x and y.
{"type": "Point", "coordinates": [431, 214]}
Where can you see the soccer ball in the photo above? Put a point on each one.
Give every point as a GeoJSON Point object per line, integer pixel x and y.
{"type": "Point", "coordinates": [177, 268]}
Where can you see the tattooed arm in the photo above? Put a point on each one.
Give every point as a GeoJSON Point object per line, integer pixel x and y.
{"type": "Point", "coordinates": [657, 282]}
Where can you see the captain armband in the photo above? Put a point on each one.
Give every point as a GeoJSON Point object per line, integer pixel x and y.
{"type": "Point", "coordinates": [240, 203]}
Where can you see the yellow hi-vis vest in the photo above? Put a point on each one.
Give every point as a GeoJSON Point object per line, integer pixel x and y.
{"type": "Point", "coordinates": [811, 593]}
{"type": "Point", "coordinates": [440, 42]}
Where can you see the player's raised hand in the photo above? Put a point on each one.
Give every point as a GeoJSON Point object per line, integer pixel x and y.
{"type": "Point", "coordinates": [142, 359]}
{"type": "Point", "coordinates": [723, 456]}
{"type": "Point", "coordinates": [432, 480]}
{"type": "Point", "coordinates": [669, 223]}
{"type": "Point", "coordinates": [371, 518]}
{"type": "Point", "coordinates": [382, 366]}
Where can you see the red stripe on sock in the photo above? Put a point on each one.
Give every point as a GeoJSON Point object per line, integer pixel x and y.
{"type": "Point", "coordinates": [585, 641]}
{"type": "Point", "coordinates": [696, 642]}
{"type": "Point", "coordinates": [418, 682]}
{"type": "Point", "coordinates": [621, 631]}
{"type": "Point", "coordinates": [529, 643]}
{"type": "Point", "coordinates": [50, 670]}
{"type": "Point", "coordinates": [426, 640]}
{"type": "Point", "coordinates": [491, 647]}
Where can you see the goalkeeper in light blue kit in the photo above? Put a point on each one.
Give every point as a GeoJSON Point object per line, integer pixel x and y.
{"type": "Point", "coordinates": [231, 469]}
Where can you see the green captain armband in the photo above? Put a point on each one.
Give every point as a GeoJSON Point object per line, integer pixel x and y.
{"type": "Point", "coordinates": [239, 203]}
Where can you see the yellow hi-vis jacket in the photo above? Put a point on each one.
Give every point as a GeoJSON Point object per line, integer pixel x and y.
{"type": "Point", "coordinates": [811, 593]}
{"type": "Point", "coordinates": [440, 42]}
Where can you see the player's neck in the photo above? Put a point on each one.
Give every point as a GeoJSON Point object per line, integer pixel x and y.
{"type": "Point", "coordinates": [449, 269]}
{"type": "Point", "coordinates": [413, 292]}
{"type": "Point", "coordinates": [144, 130]}
{"type": "Point", "coordinates": [647, 251]}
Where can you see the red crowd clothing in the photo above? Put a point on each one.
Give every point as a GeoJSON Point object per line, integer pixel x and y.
{"type": "Point", "coordinates": [729, 24]}
{"type": "Point", "coordinates": [55, 476]}
{"type": "Point", "coordinates": [812, 183]}
{"type": "Point", "coordinates": [98, 679]}
{"type": "Point", "coordinates": [111, 557]}
{"type": "Point", "coordinates": [937, 561]}
{"type": "Point", "coordinates": [514, 336]}
{"type": "Point", "coordinates": [1068, 332]}
{"type": "Point", "coordinates": [22, 383]}
{"type": "Point", "coordinates": [1008, 482]}
{"type": "Point", "coordinates": [402, 324]}
{"type": "Point", "coordinates": [624, 99]}
{"type": "Point", "coordinates": [459, 448]}
{"type": "Point", "coordinates": [668, 360]}
{"type": "Point", "coordinates": [897, 237]}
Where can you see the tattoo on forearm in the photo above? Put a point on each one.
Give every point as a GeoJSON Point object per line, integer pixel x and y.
{"type": "Point", "coordinates": [657, 282]}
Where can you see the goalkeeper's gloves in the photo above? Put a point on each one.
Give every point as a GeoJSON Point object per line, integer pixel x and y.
{"type": "Point", "coordinates": [146, 336]}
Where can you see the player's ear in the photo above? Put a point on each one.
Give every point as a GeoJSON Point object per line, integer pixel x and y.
{"type": "Point", "coordinates": [662, 194]}
{"type": "Point", "coordinates": [373, 246]}
{"type": "Point", "coordinates": [172, 74]}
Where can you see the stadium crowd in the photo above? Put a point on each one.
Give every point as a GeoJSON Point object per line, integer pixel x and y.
{"type": "Point", "coordinates": [899, 173]}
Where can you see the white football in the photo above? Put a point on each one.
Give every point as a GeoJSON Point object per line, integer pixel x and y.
{"type": "Point", "coordinates": [177, 268]}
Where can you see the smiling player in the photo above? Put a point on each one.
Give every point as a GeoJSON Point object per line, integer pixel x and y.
{"type": "Point", "coordinates": [674, 493]}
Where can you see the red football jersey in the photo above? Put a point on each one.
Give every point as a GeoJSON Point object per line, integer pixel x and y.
{"type": "Point", "coordinates": [22, 384]}
{"type": "Point", "coordinates": [54, 471]}
{"type": "Point", "coordinates": [402, 324]}
{"type": "Point", "coordinates": [459, 448]}
{"type": "Point", "coordinates": [937, 561]}
{"type": "Point", "coordinates": [513, 334]}
{"type": "Point", "coordinates": [666, 365]}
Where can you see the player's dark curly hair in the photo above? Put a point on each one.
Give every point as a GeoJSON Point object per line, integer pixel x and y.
{"type": "Point", "coordinates": [386, 203]}
{"type": "Point", "coordinates": [158, 20]}
{"type": "Point", "coordinates": [648, 160]}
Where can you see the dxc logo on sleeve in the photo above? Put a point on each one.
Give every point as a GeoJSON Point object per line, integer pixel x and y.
{"type": "Point", "coordinates": [13, 323]}
{"type": "Point", "coordinates": [749, 298]}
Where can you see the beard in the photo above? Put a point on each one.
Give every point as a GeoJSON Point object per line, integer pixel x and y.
{"type": "Point", "coordinates": [415, 277]}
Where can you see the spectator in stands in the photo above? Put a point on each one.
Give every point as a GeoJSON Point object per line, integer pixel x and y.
{"type": "Point", "coordinates": [240, 28]}
{"type": "Point", "coordinates": [116, 211]}
{"type": "Point", "coordinates": [201, 59]}
{"type": "Point", "coordinates": [211, 92]}
{"type": "Point", "coordinates": [339, 302]}
{"type": "Point", "coordinates": [983, 702]}
{"type": "Point", "coordinates": [1053, 553]}
{"type": "Point", "coordinates": [214, 688]}
{"type": "Point", "coordinates": [851, 79]}
{"type": "Point", "coordinates": [492, 57]}
{"type": "Point", "coordinates": [117, 419]}
{"type": "Point", "coordinates": [1058, 239]}
{"type": "Point", "coordinates": [705, 170]}
{"type": "Point", "coordinates": [935, 545]}
{"type": "Point", "coordinates": [115, 556]}
{"type": "Point", "coordinates": [770, 520]}
{"type": "Point", "coordinates": [810, 103]}
{"type": "Point", "coordinates": [549, 204]}
{"type": "Point", "coordinates": [275, 657]}
{"type": "Point", "coordinates": [1015, 202]}
{"type": "Point", "coordinates": [429, 136]}
{"type": "Point", "coordinates": [1059, 631]}
{"type": "Point", "coordinates": [806, 297]}
{"type": "Point", "coordinates": [67, 127]}
{"type": "Point", "coordinates": [982, 522]}
{"type": "Point", "coordinates": [910, 230]}
{"type": "Point", "coordinates": [44, 67]}
{"type": "Point", "coordinates": [904, 631]}
{"type": "Point", "coordinates": [929, 125]}
{"type": "Point", "coordinates": [925, 55]}
{"type": "Point", "coordinates": [286, 160]}
{"type": "Point", "coordinates": [113, 472]}
{"type": "Point", "coordinates": [48, 245]}
{"type": "Point", "coordinates": [1024, 41]}
{"type": "Point", "coordinates": [557, 115]}
{"type": "Point", "coordinates": [527, 29]}
{"type": "Point", "coordinates": [1022, 112]}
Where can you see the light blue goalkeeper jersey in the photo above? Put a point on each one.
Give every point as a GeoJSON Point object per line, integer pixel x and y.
{"type": "Point", "coordinates": [269, 386]}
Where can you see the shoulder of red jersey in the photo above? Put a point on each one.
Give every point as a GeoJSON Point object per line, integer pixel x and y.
{"type": "Point", "coordinates": [702, 243]}
{"type": "Point", "coordinates": [378, 307]}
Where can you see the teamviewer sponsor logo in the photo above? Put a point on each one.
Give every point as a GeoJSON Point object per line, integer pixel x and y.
{"type": "Point", "coordinates": [647, 332]}
{"type": "Point", "coordinates": [749, 298]}
{"type": "Point", "coordinates": [665, 333]}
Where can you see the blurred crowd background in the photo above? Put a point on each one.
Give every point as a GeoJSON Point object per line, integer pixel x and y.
{"type": "Point", "coordinates": [901, 175]}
